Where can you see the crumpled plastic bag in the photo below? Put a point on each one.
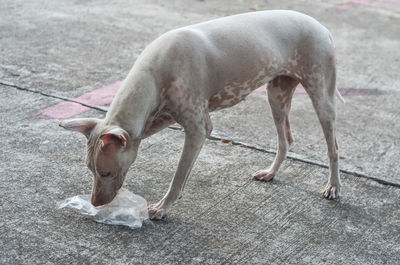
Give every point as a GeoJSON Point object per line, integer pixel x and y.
{"type": "Point", "coordinates": [125, 209]}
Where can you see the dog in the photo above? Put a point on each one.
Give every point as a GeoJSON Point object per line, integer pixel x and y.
{"type": "Point", "coordinates": [188, 72]}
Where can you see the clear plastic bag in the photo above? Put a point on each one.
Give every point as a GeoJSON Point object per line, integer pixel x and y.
{"type": "Point", "coordinates": [126, 209]}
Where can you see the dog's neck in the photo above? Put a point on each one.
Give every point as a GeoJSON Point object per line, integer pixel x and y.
{"type": "Point", "coordinates": [133, 104]}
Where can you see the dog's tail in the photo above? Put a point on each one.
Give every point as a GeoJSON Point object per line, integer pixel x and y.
{"type": "Point", "coordinates": [337, 92]}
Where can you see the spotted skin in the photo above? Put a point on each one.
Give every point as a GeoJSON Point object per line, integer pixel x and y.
{"type": "Point", "coordinates": [186, 73]}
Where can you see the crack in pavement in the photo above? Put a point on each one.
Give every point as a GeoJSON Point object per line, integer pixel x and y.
{"type": "Point", "coordinates": [216, 138]}
{"type": "Point", "coordinates": [52, 96]}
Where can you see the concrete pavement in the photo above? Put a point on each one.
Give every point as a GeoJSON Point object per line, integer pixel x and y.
{"type": "Point", "coordinates": [67, 49]}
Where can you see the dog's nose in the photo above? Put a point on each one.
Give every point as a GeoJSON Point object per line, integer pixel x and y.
{"type": "Point", "coordinates": [95, 202]}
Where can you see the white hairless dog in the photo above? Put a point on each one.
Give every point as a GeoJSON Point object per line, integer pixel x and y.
{"type": "Point", "coordinates": [188, 72]}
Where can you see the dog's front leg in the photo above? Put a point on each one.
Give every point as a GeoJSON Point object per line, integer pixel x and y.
{"type": "Point", "coordinates": [195, 135]}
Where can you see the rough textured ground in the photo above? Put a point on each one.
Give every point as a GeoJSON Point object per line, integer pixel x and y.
{"type": "Point", "coordinates": [67, 48]}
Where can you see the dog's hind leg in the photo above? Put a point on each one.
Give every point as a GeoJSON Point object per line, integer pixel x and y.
{"type": "Point", "coordinates": [322, 92]}
{"type": "Point", "coordinates": [280, 92]}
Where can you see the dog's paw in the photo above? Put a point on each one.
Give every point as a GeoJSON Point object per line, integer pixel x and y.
{"type": "Point", "coordinates": [331, 192]}
{"type": "Point", "coordinates": [157, 211]}
{"type": "Point", "coordinates": [264, 175]}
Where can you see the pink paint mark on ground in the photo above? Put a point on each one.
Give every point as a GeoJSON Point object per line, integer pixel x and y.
{"type": "Point", "coordinates": [104, 96]}
{"type": "Point", "coordinates": [351, 4]}
{"type": "Point", "coordinates": [99, 97]}
{"type": "Point", "coordinates": [388, 3]}
{"type": "Point", "coordinates": [360, 91]}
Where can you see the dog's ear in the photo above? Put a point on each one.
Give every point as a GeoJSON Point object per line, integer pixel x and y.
{"type": "Point", "coordinates": [83, 125]}
{"type": "Point", "coordinates": [116, 135]}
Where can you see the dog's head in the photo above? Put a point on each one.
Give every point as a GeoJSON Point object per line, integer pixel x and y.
{"type": "Point", "coordinates": [110, 152]}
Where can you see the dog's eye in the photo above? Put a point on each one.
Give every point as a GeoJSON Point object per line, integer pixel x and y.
{"type": "Point", "coordinates": [105, 174]}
